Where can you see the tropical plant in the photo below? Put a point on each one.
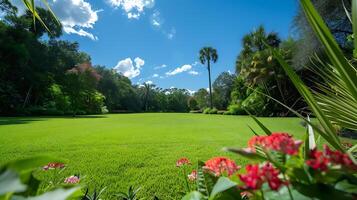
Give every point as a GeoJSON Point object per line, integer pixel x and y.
{"type": "Point", "coordinates": [31, 7]}
{"type": "Point", "coordinates": [335, 100]}
{"type": "Point", "coordinates": [293, 169]}
{"type": "Point", "coordinates": [208, 55]}
{"type": "Point", "coordinates": [94, 196]}
{"type": "Point", "coordinates": [130, 195]}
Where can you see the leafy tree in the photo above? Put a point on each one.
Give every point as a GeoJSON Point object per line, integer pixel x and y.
{"type": "Point", "coordinates": [202, 98]}
{"type": "Point", "coordinates": [192, 103]}
{"type": "Point", "coordinates": [222, 88]}
{"type": "Point", "coordinates": [80, 86]}
{"type": "Point", "coordinates": [208, 54]}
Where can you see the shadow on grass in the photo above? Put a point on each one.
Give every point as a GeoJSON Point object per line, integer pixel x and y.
{"type": "Point", "coordinates": [15, 120]}
{"type": "Point", "coordinates": [30, 119]}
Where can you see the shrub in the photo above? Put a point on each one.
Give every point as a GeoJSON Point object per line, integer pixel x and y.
{"type": "Point", "coordinates": [213, 111]}
{"type": "Point", "coordinates": [40, 110]}
{"type": "Point", "coordinates": [207, 111]}
{"type": "Point", "coordinates": [196, 111]}
{"type": "Point", "coordinates": [221, 112]}
{"type": "Point", "coordinates": [192, 103]}
{"type": "Point", "coordinates": [236, 109]}
{"type": "Point", "coordinates": [254, 103]}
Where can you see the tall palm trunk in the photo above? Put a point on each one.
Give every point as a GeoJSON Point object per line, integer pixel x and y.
{"type": "Point", "coordinates": [210, 87]}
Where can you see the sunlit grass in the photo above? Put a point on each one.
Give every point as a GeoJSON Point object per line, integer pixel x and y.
{"type": "Point", "coordinates": [131, 149]}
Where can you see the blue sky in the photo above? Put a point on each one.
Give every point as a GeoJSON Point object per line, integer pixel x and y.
{"type": "Point", "coordinates": [148, 39]}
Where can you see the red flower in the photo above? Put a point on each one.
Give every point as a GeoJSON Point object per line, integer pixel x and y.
{"type": "Point", "coordinates": [271, 175]}
{"type": "Point", "coordinates": [219, 165]}
{"type": "Point", "coordinates": [182, 161]}
{"type": "Point", "coordinates": [282, 142]}
{"type": "Point", "coordinates": [253, 179]}
{"type": "Point", "coordinates": [257, 175]}
{"type": "Point", "coordinates": [53, 165]}
{"type": "Point", "coordinates": [193, 175]}
{"type": "Point", "coordinates": [320, 160]}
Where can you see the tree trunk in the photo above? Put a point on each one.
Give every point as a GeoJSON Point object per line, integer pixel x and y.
{"type": "Point", "coordinates": [210, 87]}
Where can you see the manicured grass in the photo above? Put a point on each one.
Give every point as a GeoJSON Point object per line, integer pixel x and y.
{"type": "Point", "coordinates": [131, 149]}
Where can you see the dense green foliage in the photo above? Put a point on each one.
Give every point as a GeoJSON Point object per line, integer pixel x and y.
{"type": "Point", "coordinates": [42, 75]}
{"type": "Point", "coordinates": [116, 151]}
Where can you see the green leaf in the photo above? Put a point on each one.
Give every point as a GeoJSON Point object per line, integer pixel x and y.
{"type": "Point", "coordinates": [58, 194]}
{"type": "Point", "coordinates": [329, 134]}
{"type": "Point", "coordinates": [193, 196]}
{"type": "Point", "coordinates": [346, 187]}
{"type": "Point", "coordinates": [261, 125]}
{"type": "Point", "coordinates": [335, 54]}
{"type": "Point", "coordinates": [28, 164]}
{"type": "Point", "coordinates": [354, 24]}
{"type": "Point", "coordinates": [255, 133]}
{"type": "Point", "coordinates": [246, 154]}
{"type": "Point", "coordinates": [222, 185]}
{"type": "Point", "coordinates": [10, 183]}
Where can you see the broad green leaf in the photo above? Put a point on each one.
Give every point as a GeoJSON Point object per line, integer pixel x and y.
{"type": "Point", "coordinates": [222, 185]}
{"type": "Point", "coordinates": [58, 194]}
{"type": "Point", "coordinates": [28, 164]}
{"type": "Point", "coordinates": [10, 182]}
{"type": "Point", "coordinates": [346, 187]}
{"type": "Point", "coordinates": [193, 196]}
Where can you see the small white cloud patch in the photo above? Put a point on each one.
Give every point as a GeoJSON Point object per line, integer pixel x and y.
{"type": "Point", "coordinates": [160, 67]}
{"type": "Point", "coordinates": [193, 72]}
{"type": "Point", "coordinates": [127, 67]}
{"type": "Point", "coordinates": [179, 70]}
{"type": "Point", "coordinates": [132, 8]}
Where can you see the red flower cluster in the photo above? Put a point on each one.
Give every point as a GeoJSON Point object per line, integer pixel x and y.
{"type": "Point", "coordinates": [219, 165]}
{"type": "Point", "coordinates": [282, 142]}
{"type": "Point", "coordinates": [257, 175]}
{"type": "Point", "coordinates": [192, 176]}
{"type": "Point", "coordinates": [53, 165]}
{"type": "Point", "coordinates": [320, 160]}
{"type": "Point", "coordinates": [182, 161]}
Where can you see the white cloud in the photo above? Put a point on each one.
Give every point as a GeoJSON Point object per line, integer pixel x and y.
{"type": "Point", "coordinates": [127, 68]}
{"type": "Point", "coordinates": [193, 72]}
{"type": "Point", "coordinates": [179, 70]}
{"type": "Point", "coordinates": [155, 75]}
{"type": "Point", "coordinates": [75, 15]}
{"type": "Point", "coordinates": [132, 8]}
{"type": "Point", "coordinates": [79, 32]}
{"type": "Point", "coordinates": [149, 82]}
{"type": "Point", "coordinates": [160, 67]}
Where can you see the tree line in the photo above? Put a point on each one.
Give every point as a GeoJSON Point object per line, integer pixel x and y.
{"type": "Point", "coordinates": [53, 77]}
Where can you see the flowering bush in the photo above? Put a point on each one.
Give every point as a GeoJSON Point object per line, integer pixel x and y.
{"type": "Point", "coordinates": [284, 170]}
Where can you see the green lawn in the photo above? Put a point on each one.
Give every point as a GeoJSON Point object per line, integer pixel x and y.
{"type": "Point", "coordinates": [131, 149]}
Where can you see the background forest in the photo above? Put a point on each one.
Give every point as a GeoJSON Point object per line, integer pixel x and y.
{"type": "Point", "coordinates": [43, 75]}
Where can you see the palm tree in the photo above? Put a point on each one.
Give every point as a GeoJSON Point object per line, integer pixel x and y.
{"type": "Point", "coordinates": [208, 54]}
